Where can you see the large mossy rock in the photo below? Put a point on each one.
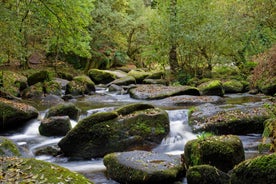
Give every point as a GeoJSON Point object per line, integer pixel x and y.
{"type": "Point", "coordinates": [52, 87]}
{"type": "Point", "coordinates": [131, 127]}
{"type": "Point", "coordinates": [101, 76]}
{"type": "Point", "coordinates": [14, 114]}
{"type": "Point", "coordinates": [233, 86]}
{"type": "Point", "coordinates": [36, 91]}
{"type": "Point", "coordinates": [270, 132]}
{"type": "Point", "coordinates": [206, 174]}
{"type": "Point", "coordinates": [239, 121]}
{"type": "Point", "coordinates": [26, 170]}
{"type": "Point", "coordinates": [223, 152]}
{"type": "Point", "coordinates": [151, 92]}
{"type": "Point", "coordinates": [55, 126]}
{"type": "Point", "coordinates": [259, 170]}
{"type": "Point", "coordinates": [139, 75]}
{"type": "Point", "coordinates": [142, 167]}
{"type": "Point", "coordinates": [64, 109]}
{"type": "Point", "coordinates": [14, 82]}
{"type": "Point", "coordinates": [267, 85]}
{"type": "Point", "coordinates": [213, 87]}
{"type": "Point", "coordinates": [124, 81]}
{"type": "Point", "coordinates": [8, 149]}
{"type": "Point", "coordinates": [37, 77]}
{"type": "Point", "coordinates": [80, 85]}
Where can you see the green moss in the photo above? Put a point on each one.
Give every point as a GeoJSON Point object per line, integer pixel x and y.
{"type": "Point", "coordinates": [36, 171]}
{"type": "Point", "coordinates": [220, 151]}
{"type": "Point", "coordinates": [8, 148]}
{"type": "Point", "coordinates": [233, 86]}
{"type": "Point", "coordinates": [132, 108]}
{"type": "Point", "coordinates": [206, 174]}
{"type": "Point", "coordinates": [258, 170]}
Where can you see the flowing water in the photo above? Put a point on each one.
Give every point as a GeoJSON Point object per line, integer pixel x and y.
{"type": "Point", "coordinates": [180, 133]}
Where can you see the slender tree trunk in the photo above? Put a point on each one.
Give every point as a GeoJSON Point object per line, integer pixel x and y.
{"type": "Point", "coordinates": [173, 51]}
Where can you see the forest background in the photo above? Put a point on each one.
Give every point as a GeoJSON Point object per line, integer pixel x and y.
{"type": "Point", "coordinates": [190, 39]}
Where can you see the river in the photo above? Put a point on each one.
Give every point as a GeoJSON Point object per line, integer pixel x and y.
{"type": "Point", "coordinates": [180, 133]}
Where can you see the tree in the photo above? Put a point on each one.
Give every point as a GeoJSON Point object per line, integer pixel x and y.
{"type": "Point", "coordinates": [55, 26]}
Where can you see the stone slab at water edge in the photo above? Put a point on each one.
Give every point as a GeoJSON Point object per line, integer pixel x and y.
{"type": "Point", "coordinates": [142, 167]}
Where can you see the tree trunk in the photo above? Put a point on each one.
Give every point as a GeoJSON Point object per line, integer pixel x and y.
{"type": "Point", "coordinates": [173, 60]}
{"type": "Point", "coordinates": [173, 51]}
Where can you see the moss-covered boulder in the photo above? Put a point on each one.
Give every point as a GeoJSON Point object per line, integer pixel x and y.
{"type": "Point", "coordinates": [55, 126]}
{"type": "Point", "coordinates": [233, 86]}
{"type": "Point", "coordinates": [35, 91]}
{"type": "Point", "coordinates": [13, 82]}
{"type": "Point", "coordinates": [29, 170]}
{"type": "Point", "coordinates": [156, 81]}
{"type": "Point", "coordinates": [64, 109]}
{"type": "Point", "coordinates": [239, 121]}
{"type": "Point", "coordinates": [142, 167]}
{"type": "Point", "coordinates": [14, 114]}
{"type": "Point", "coordinates": [139, 75]}
{"type": "Point", "coordinates": [270, 132]}
{"type": "Point", "coordinates": [259, 170]}
{"type": "Point", "coordinates": [124, 81]}
{"type": "Point", "coordinates": [80, 85]}
{"type": "Point", "coordinates": [52, 87]}
{"type": "Point", "coordinates": [156, 75]}
{"type": "Point", "coordinates": [151, 92]}
{"type": "Point", "coordinates": [206, 174]}
{"type": "Point", "coordinates": [101, 76]}
{"type": "Point", "coordinates": [125, 129]}
{"type": "Point", "coordinates": [213, 87]}
{"type": "Point", "coordinates": [65, 75]}
{"type": "Point", "coordinates": [8, 148]}
{"type": "Point", "coordinates": [223, 152]}
{"type": "Point", "coordinates": [37, 77]}
{"type": "Point", "coordinates": [267, 85]}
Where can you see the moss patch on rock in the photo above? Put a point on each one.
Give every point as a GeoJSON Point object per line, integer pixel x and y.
{"type": "Point", "coordinates": [258, 170]}
{"type": "Point", "coordinates": [233, 86]}
{"type": "Point", "coordinates": [206, 174]}
{"type": "Point", "coordinates": [25, 170]}
{"type": "Point", "coordinates": [223, 152]}
{"type": "Point", "coordinates": [234, 121]}
{"type": "Point", "coordinates": [213, 87]}
{"type": "Point", "coordinates": [15, 114]}
{"type": "Point", "coordinates": [8, 148]}
{"type": "Point", "coordinates": [101, 76]}
{"type": "Point", "coordinates": [80, 85]}
{"type": "Point", "coordinates": [64, 109]}
{"type": "Point", "coordinates": [107, 132]}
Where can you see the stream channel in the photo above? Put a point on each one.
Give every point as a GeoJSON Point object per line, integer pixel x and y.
{"type": "Point", "coordinates": [180, 133]}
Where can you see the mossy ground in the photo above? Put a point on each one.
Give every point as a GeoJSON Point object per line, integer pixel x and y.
{"type": "Point", "coordinates": [31, 171]}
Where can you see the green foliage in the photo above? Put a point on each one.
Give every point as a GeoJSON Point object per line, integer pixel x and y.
{"type": "Point", "coordinates": [204, 135]}
{"type": "Point", "coordinates": [55, 26]}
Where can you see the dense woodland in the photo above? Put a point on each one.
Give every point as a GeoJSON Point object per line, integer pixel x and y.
{"type": "Point", "coordinates": [195, 38]}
